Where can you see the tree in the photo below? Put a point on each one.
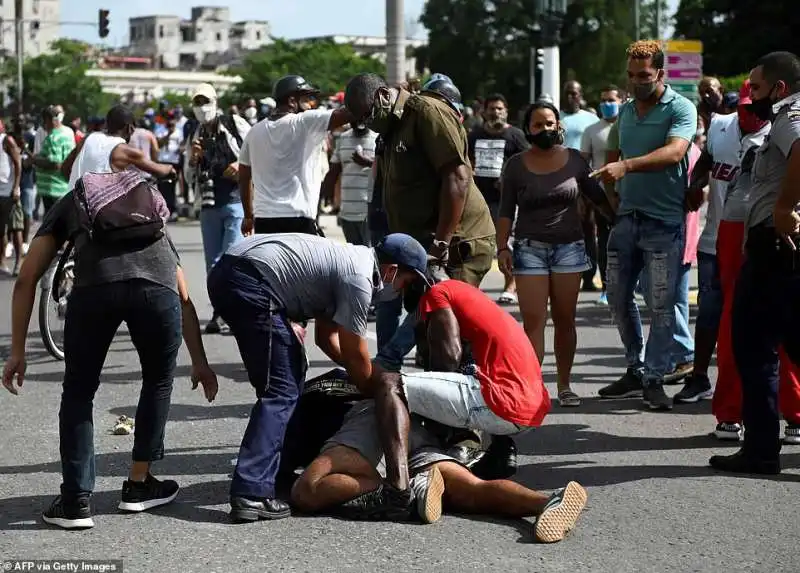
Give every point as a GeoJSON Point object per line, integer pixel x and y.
{"type": "Point", "coordinates": [59, 77]}
{"type": "Point", "coordinates": [485, 46]}
{"type": "Point", "coordinates": [735, 33]}
{"type": "Point", "coordinates": [324, 63]}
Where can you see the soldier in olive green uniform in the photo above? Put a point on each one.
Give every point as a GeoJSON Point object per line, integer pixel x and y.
{"type": "Point", "coordinates": [428, 188]}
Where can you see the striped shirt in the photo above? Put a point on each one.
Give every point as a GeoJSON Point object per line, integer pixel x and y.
{"type": "Point", "coordinates": [56, 148]}
{"type": "Point", "coordinates": [356, 188]}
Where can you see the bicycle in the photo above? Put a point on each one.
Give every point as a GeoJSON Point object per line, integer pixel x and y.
{"type": "Point", "coordinates": [53, 302]}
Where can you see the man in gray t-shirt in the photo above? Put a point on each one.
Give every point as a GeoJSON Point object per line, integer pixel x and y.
{"type": "Point", "coordinates": [263, 287]}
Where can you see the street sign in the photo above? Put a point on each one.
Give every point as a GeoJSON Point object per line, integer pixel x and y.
{"type": "Point", "coordinates": [686, 89]}
{"type": "Point", "coordinates": [683, 46]}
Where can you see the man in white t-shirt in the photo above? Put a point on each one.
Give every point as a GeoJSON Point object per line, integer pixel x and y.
{"type": "Point", "coordinates": [594, 146]}
{"type": "Point", "coordinates": [729, 138]}
{"type": "Point", "coordinates": [281, 156]}
{"type": "Point", "coordinates": [352, 159]}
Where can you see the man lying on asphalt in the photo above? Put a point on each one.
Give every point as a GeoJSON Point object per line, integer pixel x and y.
{"type": "Point", "coordinates": [504, 396]}
{"type": "Point", "coordinates": [345, 479]}
{"type": "Point", "coordinates": [263, 285]}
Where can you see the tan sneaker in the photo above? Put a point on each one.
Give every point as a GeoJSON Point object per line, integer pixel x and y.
{"type": "Point", "coordinates": [124, 426]}
{"type": "Point", "coordinates": [560, 513]}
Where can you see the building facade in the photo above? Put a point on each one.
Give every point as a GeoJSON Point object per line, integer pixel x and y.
{"type": "Point", "coordinates": [40, 28]}
{"type": "Point", "coordinates": [205, 41]}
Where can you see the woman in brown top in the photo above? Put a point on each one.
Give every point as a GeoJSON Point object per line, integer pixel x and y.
{"type": "Point", "coordinates": [542, 187]}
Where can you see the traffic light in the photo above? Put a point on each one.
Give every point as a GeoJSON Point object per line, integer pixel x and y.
{"type": "Point", "coordinates": [539, 59]}
{"type": "Point", "coordinates": [102, 22]}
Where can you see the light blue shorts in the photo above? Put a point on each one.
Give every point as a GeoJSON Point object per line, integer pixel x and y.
{"type": "Point", "coordinates": [535, 258]}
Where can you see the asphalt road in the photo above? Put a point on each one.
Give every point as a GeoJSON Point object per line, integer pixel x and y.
{"type": "Point", "coordinates": [654, 505]}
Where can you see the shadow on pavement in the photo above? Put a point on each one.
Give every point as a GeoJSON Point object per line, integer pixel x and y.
{"type": "Point", "coordinates": [552, 475]}
{"type": "Point", "coordinates": [231, 370]}
{"type": "Point", "coordinates": [192, 412]}
{"type": "Point", "coordinates": [591, 404]}
{"type": "Point", "coordinates": [576, 439]}
{"type": "Point", "coordinates": [24, 513]}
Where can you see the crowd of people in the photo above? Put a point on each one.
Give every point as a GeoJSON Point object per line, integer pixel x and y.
{"type": "Point", "coordinates": [426, 206]}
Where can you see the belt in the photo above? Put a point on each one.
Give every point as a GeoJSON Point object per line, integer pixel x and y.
{"type": "Point", "coordinates": [764, 246]}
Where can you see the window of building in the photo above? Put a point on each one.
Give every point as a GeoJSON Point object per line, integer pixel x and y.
{"type": "Point", "coordinates": [258, 34]}
{"type": "Point", "coordinates": [219, 37]}
{"type": "Point", "coordinates": [151, 31]}
{"type": "Point", "coordinates": [133, 33]}
{"type": "Point", "coordinates": [161, 31]}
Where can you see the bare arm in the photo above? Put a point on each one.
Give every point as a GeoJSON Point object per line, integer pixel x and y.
{"type": "Point", "coordinates": [246, 189]}
{"type": "Point", "coordinates": [191, 325]}
{"type": "Point", "coordinates": [355, 358]}
{"type": "Point", "coordinates": [452, 198]}
{"type": "Point", "coordinates": [503, 231]}
{"type": "Point", "coordinates": [329, 183]}
{"type": "Point", "coordinates": [124, 156]}
{"type": "Point", "coordinates": [326, 337]}
{"type": "Point", "coordinates": [40, 255]}
{"type": "Point", "coordinates": [672, 153]}
{"type": "Point", "coordinates": [340, 117]}
{"type": "Point", "coordinates": [444, 339]}
{"type": "Point", "coordinates": [154, 147]}
{"type": "Point", "coordinates": [16, 160]}
{"type": "Point", "coordinates": [66, 167]}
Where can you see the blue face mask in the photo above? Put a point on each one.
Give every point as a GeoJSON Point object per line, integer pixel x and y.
{"type": "Point", "coordinates": [609, 109]}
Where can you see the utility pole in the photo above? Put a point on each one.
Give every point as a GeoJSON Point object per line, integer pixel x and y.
{"type": "Point", "coordinates": [636, 23]}
{"type": "Point", "coordinates": [658, 19]}
{"type": "Point", "coordinates": [395, 42]}
{"type": "Point", "coordinates": [20, 45]}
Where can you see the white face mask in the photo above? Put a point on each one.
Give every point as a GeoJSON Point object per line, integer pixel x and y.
{"type": "Point", "coordinates": [60, 117]}
{"type": "Point", "coordinates": [205, 113]}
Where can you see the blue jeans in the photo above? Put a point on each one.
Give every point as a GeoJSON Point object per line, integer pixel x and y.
{"type": "Point", "coordinates": [683, 342]}
{"type": "Point", "coordinates": [276, 367]}
{"type": "Point", "coordinates": [535, 258]}
{"type": "Point", "coordinates": [153, 315]}
{"type": "Point", "coordinates": [640, 245]}
{"type": "Point", "coordinates": [387, 320]}
{"type": "Point", "coordinates": [709, 299]}
{"type": "Point", "coordinates": [391, 355]}
{"type": "Point", "coordinates": [221, 228]}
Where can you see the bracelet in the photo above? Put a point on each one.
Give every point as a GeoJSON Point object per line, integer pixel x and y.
{"type": "Point", "coordinates": [501, 249]}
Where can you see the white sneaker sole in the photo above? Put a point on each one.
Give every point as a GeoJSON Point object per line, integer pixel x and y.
{"type": "Point", "coordinates": [139, 506]}
{"type": "Point", "coordinates": [707, 395]}
{"type": "Point", "coordinates": [728, 436]}
{"type": "Point", "coordinates": [82, 523]}
{"type": "Point", "coordinates": [556, 523]}
{"type": "Point", "coordinates": [431, 510]}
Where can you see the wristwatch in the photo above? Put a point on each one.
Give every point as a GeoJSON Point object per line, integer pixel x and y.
{"type": "Point", "coordinates": [441, 245]}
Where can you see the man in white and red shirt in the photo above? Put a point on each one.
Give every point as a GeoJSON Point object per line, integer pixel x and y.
{"type": "Point", "coordinates": [725, 167]}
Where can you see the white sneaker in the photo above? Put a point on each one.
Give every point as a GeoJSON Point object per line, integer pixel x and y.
{"type": "Point", "coordinates": [428, 488]}
{"type": "Point", "coordinates": [25, 249]}
{"type": "Point", "coordinates": [9, 250]}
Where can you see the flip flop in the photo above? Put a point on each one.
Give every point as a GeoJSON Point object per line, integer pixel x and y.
{"type": "Point", "coordinates": [507, 298]}
{"type": "Point", "coordinates": [568, 399]}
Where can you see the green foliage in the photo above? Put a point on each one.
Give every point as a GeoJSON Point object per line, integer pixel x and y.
{"type": "Point", "coordinates": [735, 33]}
{"type": "Point", "coordinates": [485, 46]}
{"type": "Point", "coordinates": [324, 63]}
{"type": "Point", "coordinates": [184, 100]}
{"type": "Point", "coordinates": [60, 77]}
{"type": "Point", "coordinates": [733, 83]}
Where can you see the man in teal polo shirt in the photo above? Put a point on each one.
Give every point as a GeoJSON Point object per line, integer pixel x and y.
{"type": "Point", "coordinates": [655, 131]}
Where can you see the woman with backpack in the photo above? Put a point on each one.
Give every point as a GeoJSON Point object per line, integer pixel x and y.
{"type": "Point", "coordinates": [126, 270]}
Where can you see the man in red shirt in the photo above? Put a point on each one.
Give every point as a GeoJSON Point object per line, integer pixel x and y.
{"type": "Point", "coordinates": [506, 395]}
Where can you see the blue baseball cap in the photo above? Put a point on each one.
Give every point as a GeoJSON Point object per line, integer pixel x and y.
{"type": "Point", "coordinates": [404, 250]}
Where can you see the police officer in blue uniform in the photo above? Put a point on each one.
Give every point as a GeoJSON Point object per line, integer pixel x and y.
{"type": "Point", "coordinates": [766, 311]}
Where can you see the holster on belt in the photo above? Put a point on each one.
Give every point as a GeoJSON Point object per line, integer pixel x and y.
{"type": "Point", "coordinates": [766, 248]}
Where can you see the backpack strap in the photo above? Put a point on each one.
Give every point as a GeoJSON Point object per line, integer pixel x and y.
{"type": "Point", "coordinates": [230, 125]}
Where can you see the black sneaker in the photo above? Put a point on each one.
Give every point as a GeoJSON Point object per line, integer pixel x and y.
{"type": "Point", "coordinates": [729, 431]}
{"type": "Point", "coordinates": [69, 514]}
{"type": "Point", "coordinates": [655, 397]}
{"type": "Point", "coordinates": [629, 386]}
{"type": "Point", "coordinates": [143, 495]}
{"type": "Point", "coordinates": [792, 434]}
{"type": "Point", "coordinates": [696, 387]}
{"type": "Point", "coordinates": [744, 464]}
{"type": "Point", "coordinates": [499, 461]}
{"type": "Point", "coordinates": [386, 503]}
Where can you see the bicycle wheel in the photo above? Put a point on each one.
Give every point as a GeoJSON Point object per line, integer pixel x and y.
{"type": "Point", "coordinates": [51, 312]}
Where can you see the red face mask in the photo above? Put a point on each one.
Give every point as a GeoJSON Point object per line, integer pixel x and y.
{"type": "Point", "coordinates": [748, 121]}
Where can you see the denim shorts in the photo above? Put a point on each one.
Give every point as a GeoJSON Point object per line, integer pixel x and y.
{"type": "Point", "coordinates": [542, 259]}
{"type": "Point", "coordinates": [709, 296]}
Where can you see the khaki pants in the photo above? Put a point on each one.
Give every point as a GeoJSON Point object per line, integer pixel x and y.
{"type": "Point", "coordinates": [469, 261]}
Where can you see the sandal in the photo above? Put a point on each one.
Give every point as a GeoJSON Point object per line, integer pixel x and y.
{"type": "Point", "coordinates": [507, 298]}
{"type": "Point", "coordinates": [568, 399]}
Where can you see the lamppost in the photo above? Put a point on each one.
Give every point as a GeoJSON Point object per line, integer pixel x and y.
{"type": "Point", "coordinates": [545, 61]}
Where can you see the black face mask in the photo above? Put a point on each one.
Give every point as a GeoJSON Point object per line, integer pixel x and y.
{"type": "Point", "coordinates": [545, 139]}
{"type": "Point", "coordinates": [762, 108]}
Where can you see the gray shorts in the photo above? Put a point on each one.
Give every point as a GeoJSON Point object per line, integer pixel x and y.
{"type": "Point", "coordinates": [359, 431]}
